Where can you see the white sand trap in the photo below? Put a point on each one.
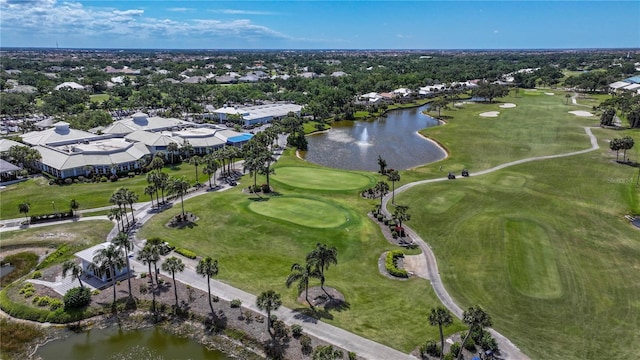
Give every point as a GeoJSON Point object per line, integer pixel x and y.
{"type": "Point", "coordinates": [549, 93]}
{"type": "Point", "coordinates": [508, 105]}
{"type": "Point", "coordinates": [581, 113]}
{"type": "Point", "coordinates": [530, 90]}
{"type": "Point", "coordinates": [490, 114]}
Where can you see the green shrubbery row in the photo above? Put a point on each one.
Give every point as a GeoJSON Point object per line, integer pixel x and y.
{"type": "Point", "coordinates": [186, 253]}
{"type": "Point", "coordinates": [61, 251]}
{"type": "Point", "coordinates": [26, 311]}
{"type": "Point", "coordinates": [390, 264]}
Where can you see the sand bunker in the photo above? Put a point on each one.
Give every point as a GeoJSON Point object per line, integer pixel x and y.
{"type": "Point", "coordinates": [581, 113]}
{"type": "Point", "coordinates": [490, 114]}
{"type": "Point", "coordinates": [549, 93]}
{"type": "Point", "coordinates": [507, 105]}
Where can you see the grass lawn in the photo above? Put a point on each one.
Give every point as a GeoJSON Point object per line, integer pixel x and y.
{"type": "Point", "coordinates": [81, 232]}
{"type": "Point", "coordinates": [316, 178]}
{"type": "Point", "coordinates": [538, 125]}
{"type": "Point", "coordinates": [98, 98]}
{"type": "Point", "coordinates": [256, 242]}
{"type": "Point", "coordinates": [40, 194]}
{"type": "Point", "coordinates": [542, 246]}
{"type": "Point", "coordinates": [298, 210]}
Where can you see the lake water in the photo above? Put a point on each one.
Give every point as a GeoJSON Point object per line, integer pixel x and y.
{"type": "Point", "coordinates": [355, 145]}
{"type": "Point", "coordinates": [115, 344]}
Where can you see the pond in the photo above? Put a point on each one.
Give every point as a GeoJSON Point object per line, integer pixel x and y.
{"type": "Point", "coordinates": [6, 270]}
{"type": "Point", "coordinates": [355, 145]}
{"type": "Point", "coordinates": [117, 344]}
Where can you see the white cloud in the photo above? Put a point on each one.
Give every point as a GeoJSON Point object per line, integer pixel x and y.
{"type": "Point", "coordinates": [40, 19]}
{"type": "Point", "coordinates": [242, 12]}
{"type": "Point", "coordinates": [180, 9]}
{"type": "Point", "coordinates": [496, 31]}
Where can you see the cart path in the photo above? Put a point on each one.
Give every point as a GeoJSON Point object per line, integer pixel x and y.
{"type": "Point", "coordinates": [507, 348]}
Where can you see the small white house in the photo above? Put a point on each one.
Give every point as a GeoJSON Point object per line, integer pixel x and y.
{"type": "Point", "coordinates": [86, 258]}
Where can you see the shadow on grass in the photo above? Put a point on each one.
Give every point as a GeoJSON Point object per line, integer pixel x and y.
{"type": "Point", "coordinates": [258, 198]}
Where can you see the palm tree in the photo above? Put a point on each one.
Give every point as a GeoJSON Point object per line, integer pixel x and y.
{"type": "Point", "coordinates": [393, 176]}
{"type": "Point", "coordinates": [382, 163]}
{"type": "Point", "coordinates": [150, 254]}
{"type": "Point", "coordinates": [210, 169]}
{"type": "Point", "coordinates": [440, 316]}
{"type": "Point", "coordinates": [475, 317]}
{"type": "Point", "coordinates": [321, 257]}
{"type": "Point", "coordinates": [150, 190]}
{"type": "Point", "coordinates": [400, 214]}
{"type": "Point", "coordinates": [115, 214]}
{"type": "Point", "coordinates": [302, 274]}
{"type": "Point", "coordinates": [155, 244]}
{"type": "Point", "coordinates": [108, 259]}
{"type": "Point", "coordinates": [209, 268]}
{"type": "Point", "coordinates": [130, 198]}
{"type": "Point", "coordinates": [567, 96]}
{"type": "Point", "coordinates": [74, 205]}
{"type": "Point", "coordinates": [381, 188]}
{"type": "Point", "coordinates": [24, 209]}
{"type": "Point", "coordinates": [196, 161]}
{"type": "Point", "coordinates": [75, 269]}
{"type": "Point", "coordinates": [173, 148]}
{"type": "Point", "coordinates": [179, 187]}
{"type": "Point", "coordinates": [118, 198]}
{"type": "Point", "coordinates": [268, 301]}
{"type": "Point", "coordinates": [123, 243]}
{"type": "Point", "coordinates": [173, 265]}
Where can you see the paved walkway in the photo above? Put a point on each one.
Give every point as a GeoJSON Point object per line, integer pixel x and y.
{"type": "Point", "coordinates": [507, 348]}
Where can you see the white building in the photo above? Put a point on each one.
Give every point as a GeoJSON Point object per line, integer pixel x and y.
{"type": "Point", "coordinates": [252, 115]}
{"type": "Point", "coordinates": [89, 268]}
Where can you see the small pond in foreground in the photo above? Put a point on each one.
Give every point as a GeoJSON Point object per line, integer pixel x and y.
{"type": "Point", "coordinates": [355, 145]}
{"type": "Point", "coordinates": [114, 343]}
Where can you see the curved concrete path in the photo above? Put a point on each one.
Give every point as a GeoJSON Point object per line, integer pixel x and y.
{"type": "Point", "coordinates": [507, 348]}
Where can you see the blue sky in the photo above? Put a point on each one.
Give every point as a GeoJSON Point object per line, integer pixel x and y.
{"type": "Point", "coordinates": [205, 24]}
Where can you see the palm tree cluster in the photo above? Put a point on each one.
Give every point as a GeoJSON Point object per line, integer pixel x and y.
{"type": "Point", "coordinates": [317, 261]}
{"type": "Point", "coordinates": [123, 197]}
{"type": "Point", "coordinates": [258, 155]}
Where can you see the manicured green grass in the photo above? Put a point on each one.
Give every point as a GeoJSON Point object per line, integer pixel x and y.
{"type": "Point", "coordinates": [538, 125]}
{"type": "Point", "coordinates": [81, 232]}
{"type": "Point", "coordinates": [98, 98]}
{"type": "Point", "coordinates": [542, 246]}
{"type": "Point", "coordinates": [40, 194]}
{"type": "Point", "coordinates": [255, 252]}
{"type": "Point", "coordinates": [301, 211]}
{"type": "Point", "coordinates": [314, 178]}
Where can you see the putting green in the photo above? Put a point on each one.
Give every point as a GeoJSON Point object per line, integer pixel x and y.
{"type": "Point", "coordinates": [320, 179]}
{"type": "Point", "coordinates": [302, 211]}
{"type": "Point", "coordinates": [511, 181]}
{"type": "Point", "coordinates": [443, 201]}
{"type": "Point", "coordinates": [532, 266]}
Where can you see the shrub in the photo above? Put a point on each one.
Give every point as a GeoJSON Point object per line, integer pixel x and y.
{"type": "Point", "coordinates": [449, 356]}
{"type": "Point", "coordinates": [326, 352]}
{"type": "Point", "coordinates": [296, 330]}
{"type": "Point", "coordinates": [455, 349]}
{"type": "Point", "coordinates": [352, 355]}
{"type": "Point", "coordinates": [103, 179]}
{"type": "Point", "coordinates": [390, 264]}
{"type": "Point", "coordinates": [265, 188]}
{"type": "Point", "coordinates": [305, 342]}
{"type": "Point", "coordinates": [36, 275]}
{"type": "Point", "coordinates": [27, 289]}
{"type": "Point", "coordinates": [77, 298]}
{"type": "Point", "coordinates": [431, 348]}
{"type": "Point", "coordinates": [235, 303]}
{"type": "Point", "coordinates": [95, 292]}
{"type": "Point", "coordinates": [55, 256]}
{"type": "Point", "coordinates": [68, 181]}
{"type": "Point", "coordinates": [470, 345]}
{"type": "Point", "coordinates": [55, 304]}
{"type": "Point", "coordinates": [186, 253]}
{"type": "Point", "coordinates": [143, 288]}
{"type": "Point", "coordinates": [488, 343]}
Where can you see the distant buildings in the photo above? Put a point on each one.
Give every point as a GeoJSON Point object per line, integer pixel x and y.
{"type": "Point", "coordinates": [252, 115]}
{"type": "Point", "coordinates": [631, 84]}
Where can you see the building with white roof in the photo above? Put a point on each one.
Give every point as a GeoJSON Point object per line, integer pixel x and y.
{"type": "Point", "coordinates": [60, 134]}
{"type": "Point", "coordinates": [252, 115]}
{"type": "Point", "coordinates": [142, 121]}
{"type": "Point", "coordinates": [70, 85]}
{"type": "Point", "coordinates": [89, 268]}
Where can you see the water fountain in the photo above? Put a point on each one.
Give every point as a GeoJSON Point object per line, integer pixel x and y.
{"type": "Point", "coordinates": [364, 138]}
